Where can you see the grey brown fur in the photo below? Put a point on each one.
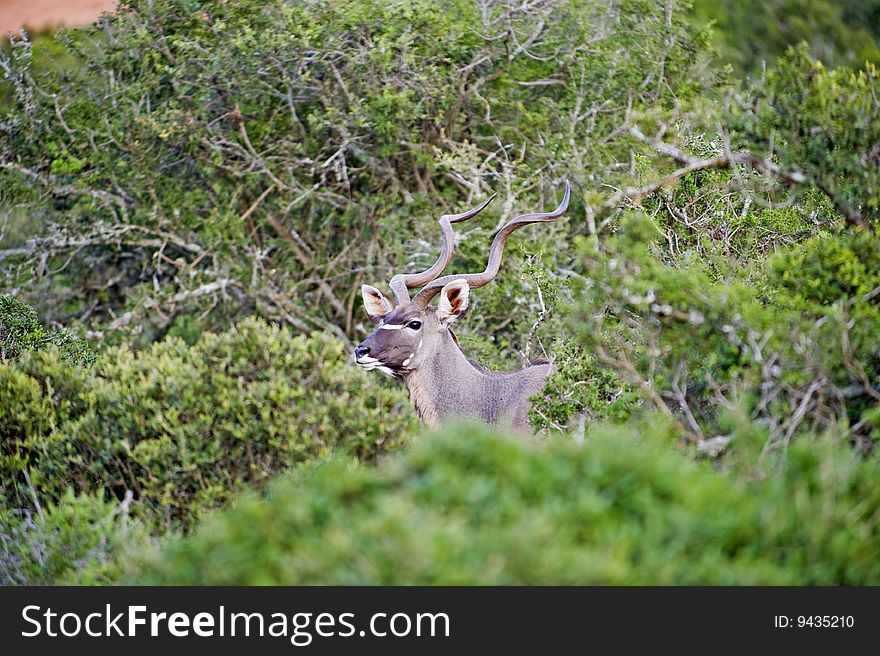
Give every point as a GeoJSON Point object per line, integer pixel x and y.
{"type": "Point", "coordinates": [468, 391]}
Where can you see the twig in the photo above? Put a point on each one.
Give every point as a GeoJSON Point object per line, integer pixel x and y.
{"type": "Point", "coordinates": [727, 160]}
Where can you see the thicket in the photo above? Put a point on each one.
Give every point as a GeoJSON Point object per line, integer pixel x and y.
{"type": "Point", "coordinates": [185, 427]}
{"type": "Point", "coordinates": [796, 350]}
{"type": "Point", "coordinates": [96, 459]}
{"type": "Point", "coordinates": [21, 330]}
{"type": "Point", "coordinates": [76, 539]}
{"type": "Point", "coordinates": [208, 161]}
{"type": "Point", "coordinates": [468, 507]}
{"type": "Point", "coordinates": [188, 165]}
{"type": "Point", "coordinates": [741, 281]}
{"type": "Point", "coordinates": [751, 35]}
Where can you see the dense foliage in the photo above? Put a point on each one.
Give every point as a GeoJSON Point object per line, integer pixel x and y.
{"type": "Point", "coordinates": [81, 539]}
{"type": "Point", "coordinates": [752, 34]}
{"type": "Point", "coordinates": [797, 349]}
{"type": "Point", "coordinates": [184, 427]}
{"type": "Point", "coordinates": [21, 330]}
{"type": "Point", "coordinates": [196, 190]}
{"type": "Point", "coordinates": [466, 507]}
{"type": "Point", "coordinates": [212, 160]}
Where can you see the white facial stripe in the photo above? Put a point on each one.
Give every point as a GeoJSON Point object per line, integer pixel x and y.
{"type": "Point", "coordinates": [365, 359]}
{"type": "Point", "coordinates": [390, 326]}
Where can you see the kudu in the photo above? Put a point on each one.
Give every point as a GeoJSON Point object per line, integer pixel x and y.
{"type": "Point", "coordinates": [413, 342]}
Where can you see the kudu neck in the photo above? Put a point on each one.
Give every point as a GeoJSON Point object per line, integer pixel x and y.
{"type": "Point", "coordinates": [442, 382]}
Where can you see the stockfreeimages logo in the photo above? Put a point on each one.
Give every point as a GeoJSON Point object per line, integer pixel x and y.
{"type": "Point", "coordinates": [300, 628]}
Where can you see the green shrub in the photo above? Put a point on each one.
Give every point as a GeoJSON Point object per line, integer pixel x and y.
{"type": "Point", "coordinates": [580, 390]}
{"type": "Point", "coordinates": [823, 123]}
{"type": "Point", "coordinates": [792, 338]}
{"type": "Point", "coordinates": [20, 330]}
{"type": "Point", "coordinates": [269, 156]}
{"type": "Point", "coordinates": [78, 539]}
{"type": "Point", "coordinates": [828, 269]}
{"type": "Point", "coordinates": [468, 507]}
{"type": "Point", "coordinates": [25, 416]}
{"type": "Point", "coordinates": [751, 34]}
{"type": "Point", "coordinates": [184, 427]}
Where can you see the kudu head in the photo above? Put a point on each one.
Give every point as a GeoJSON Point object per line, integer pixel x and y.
{"type": "Point", "coordinates": [410, 331]}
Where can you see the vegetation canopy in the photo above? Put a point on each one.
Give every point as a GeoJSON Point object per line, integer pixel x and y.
{"type": "Point", "coordinates": [193, 192]}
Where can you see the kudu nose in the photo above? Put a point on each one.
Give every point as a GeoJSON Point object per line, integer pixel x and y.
{"type": "Point", "coordinates": [361, 351]}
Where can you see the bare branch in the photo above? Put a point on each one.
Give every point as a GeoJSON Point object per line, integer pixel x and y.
{"type": "Point", "coordinates": [727, 160]}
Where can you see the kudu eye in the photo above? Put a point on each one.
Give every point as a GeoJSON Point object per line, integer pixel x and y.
{"type": "Point", "coordinates": [414, 325]}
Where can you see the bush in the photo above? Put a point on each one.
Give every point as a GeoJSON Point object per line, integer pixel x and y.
{"type": "Point", "coordinates": [468, 507]}
{"type": "Point", "coordinates": [792, 339]}
{"type": "Point", "coordinates": [751, 34]}
{"type": "Point", "coordinates": [823, 123]}
{"type": "Point", "coordinates": [20, 330]}
{"type": "Point", "coordinates": [184, 427]}
{"type": "Point", "coordinates": [75, 540]}
{"type": "Point", "coordinates": [246, 147]}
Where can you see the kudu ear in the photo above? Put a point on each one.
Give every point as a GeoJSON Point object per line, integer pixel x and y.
{"type": "Point", "coordinates": [453, 301]}
{"type": "Point", "coordinates": [375, 303]}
